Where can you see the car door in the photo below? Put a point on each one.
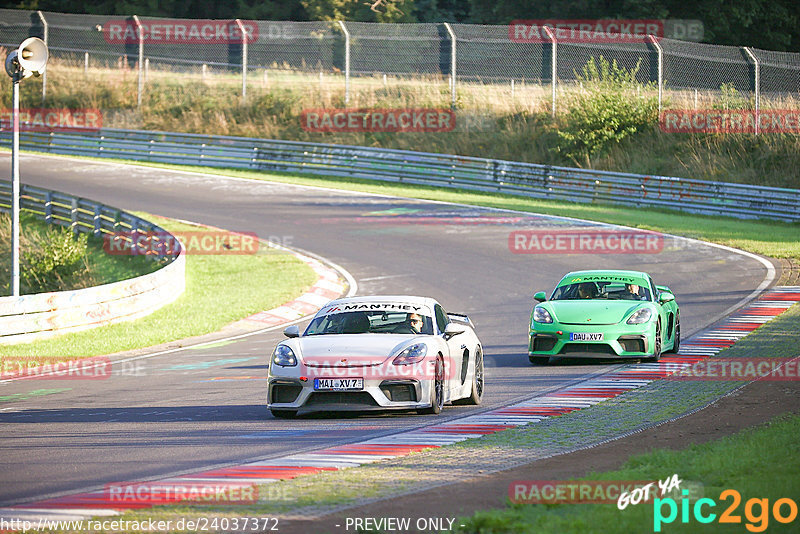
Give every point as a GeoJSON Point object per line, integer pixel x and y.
{"type": "Point", "coordinates": [453, 360]}
{"type": "Point", "coordinates": [664, 313]}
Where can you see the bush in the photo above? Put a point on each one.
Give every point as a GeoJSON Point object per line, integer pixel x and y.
{"type": "Point", "coordinates": [608, 113]}
{"type": "Point", "coordinates": [51, 258]}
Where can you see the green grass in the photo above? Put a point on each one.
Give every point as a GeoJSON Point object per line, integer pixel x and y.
{"type": "Point", "coordinates": [759, 463]}
{"type": "Point", "coordinates": [219, 290]}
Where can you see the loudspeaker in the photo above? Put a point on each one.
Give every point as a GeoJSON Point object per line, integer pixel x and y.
{"type": "Point", "coordinates": [32, 56]}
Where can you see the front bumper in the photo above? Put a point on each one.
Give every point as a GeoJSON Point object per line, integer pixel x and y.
{"type": "Point", "coordinates": [291, 393]}
{"type": "Point", "coordinates": [619, 341]}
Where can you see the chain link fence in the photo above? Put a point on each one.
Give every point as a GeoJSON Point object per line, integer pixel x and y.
{"type": "Point", "coordinates": [371, 56]}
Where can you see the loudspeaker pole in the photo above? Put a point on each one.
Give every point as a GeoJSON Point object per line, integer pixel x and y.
{"type": "Point", "coordinates": [15, 188]}
{"type": "Point", "coordinates": [30, 59]}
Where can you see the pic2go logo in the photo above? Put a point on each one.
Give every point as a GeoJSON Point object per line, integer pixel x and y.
{"type": "Point", "coordinates": [756, 511]}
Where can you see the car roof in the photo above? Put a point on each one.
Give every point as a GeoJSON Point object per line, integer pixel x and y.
{"type": "Point", "coordinates": [578, 276]}
{"type": "Point", "coordinates": [394, 299]}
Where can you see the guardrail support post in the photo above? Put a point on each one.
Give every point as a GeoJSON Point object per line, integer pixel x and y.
{"type": "Point", "coordinates": [44, 38]}
{"type": "Point", "coordinates": [140, 62]}
{"type": "Point", "coordinates": [346, 62]}
{"type": "Point", "coordinates": [757, 83]}
{"type": "Point", "coordinates": [660, 51]}
{"type": "Point", "coordinates": [244, 58]}
{"type": "Point", "coordinates": [452, 65]}
{"type": "Point", "coordinates": [553, 70]}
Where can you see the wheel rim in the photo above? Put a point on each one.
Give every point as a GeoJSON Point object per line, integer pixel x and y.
{"type": "Point", "coordinates": [479, 374]}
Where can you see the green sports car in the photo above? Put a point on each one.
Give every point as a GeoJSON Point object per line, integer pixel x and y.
{"type": "Point", "coordinates": [605, 314]}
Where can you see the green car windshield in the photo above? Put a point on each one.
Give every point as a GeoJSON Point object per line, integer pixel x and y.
{"type": "Point", "coordinates": [606, 290]}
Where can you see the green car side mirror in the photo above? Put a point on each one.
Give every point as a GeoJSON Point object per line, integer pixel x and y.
{"type": "Point", "coordinates": [540, 296]}
{"type": "Point", "coordinates": [665, 297]}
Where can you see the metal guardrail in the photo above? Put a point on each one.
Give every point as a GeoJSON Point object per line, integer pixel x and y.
{"type": "Point", "coordinates": [39, 315]}
{"type": "Point", "coordinates": [442, 170]}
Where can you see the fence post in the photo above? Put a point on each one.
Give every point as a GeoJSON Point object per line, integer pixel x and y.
{"type": "Point", "coordinates": [244, 58]}
{"type": "Point", "coordinates": [140, 33]}
{"type": "Point", "coordinates": [44, 38]}
{"type": "Point", "coordinates": [553, 59]}
{"type": "Point", "coordinates": [757, 83]}
{"type": "Point", "coordinates": [452, 65]}
{"type": "Point", "coordinates": [660, 51]}
{"type": "Point", "coordinates": [346, 63]}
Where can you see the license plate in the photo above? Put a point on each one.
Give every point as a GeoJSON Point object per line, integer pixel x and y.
{"type": "Point", "coordinates": [585, 336]}
{"type": "Point", "coordinates": [338, 384]}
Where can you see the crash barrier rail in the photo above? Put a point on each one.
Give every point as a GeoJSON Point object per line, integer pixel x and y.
{"type": "Point", "coordinates": [30, 317]}
{"type": "Point", "coordinates": [440, 170]}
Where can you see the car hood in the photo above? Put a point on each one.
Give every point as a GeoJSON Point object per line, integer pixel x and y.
{"type": "Point", "coordinates": [352, 350]}
{"type": "Point", "coordinates": [589, 312]}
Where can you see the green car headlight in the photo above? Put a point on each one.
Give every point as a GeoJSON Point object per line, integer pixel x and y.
{"type": "Point", "coordinates": [284, 356]}
{"type": "Point", "coordinates": [640, 316]}
{"type": "Point", "coordinates": [541, 315]}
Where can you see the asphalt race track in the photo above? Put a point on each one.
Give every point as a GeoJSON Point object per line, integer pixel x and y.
{"type": "Point", "coordinates": [204, 407]}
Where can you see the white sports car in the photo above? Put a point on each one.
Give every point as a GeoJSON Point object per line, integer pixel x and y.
{"type": "Point", "coordinates": [377, 353]}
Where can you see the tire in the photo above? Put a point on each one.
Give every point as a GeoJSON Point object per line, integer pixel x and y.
{"type": "Point", "coordinates": [676, 344]}
{"type": "Point", "coordinates": [539, 360]}
{"type": "Point", "coordinates": [656, 346]}
{"type": "Point", "coordinates": [284, 414]}
{"type": "Point", "coordinates": [476, 392]}
{"type": "Point", "coordinates": [437, 390]}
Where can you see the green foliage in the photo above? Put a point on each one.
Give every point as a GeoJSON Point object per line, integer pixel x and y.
{"type": "Point", "coordinates": [361, 11]}
{"type": "Point", "coordinates": [53, 259]}
{"type": "Point", "coordinates": [609, 112]}
{"type": "Point", "coordinates": [731, 99]}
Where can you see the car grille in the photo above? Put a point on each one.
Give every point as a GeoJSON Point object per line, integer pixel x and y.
{"type": "Point", "coordinates": [285, 392]}
{"type": "Point", "coordinates": [400, 392]}
{"type": "Point", "coordinates": [594, 348]}
{"type": "Point", "coordinates": [543, 344]}
{"type": "Point", "coordinates": [632, 344]}
{"type": "Point", "coordinates": [319, 398]}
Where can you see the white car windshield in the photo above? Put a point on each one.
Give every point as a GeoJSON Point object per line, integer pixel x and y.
{"type": "Point", "coordinates": [370, 322]}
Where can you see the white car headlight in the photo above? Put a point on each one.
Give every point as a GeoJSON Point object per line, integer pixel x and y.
{"type": "Point", "coordinates": [641, 316]}
{"type": "Point", "coordinates": [541, 315]}
{"type": "Point", "coordinates": [411, 354]}
{"type": "Point", "coordinates": [284, 356]}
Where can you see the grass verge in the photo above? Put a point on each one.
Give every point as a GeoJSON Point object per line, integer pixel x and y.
{"type": "Point", "coordinates": [219, 290]}
{"type": "Point", "coordinates": [752, 462]}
